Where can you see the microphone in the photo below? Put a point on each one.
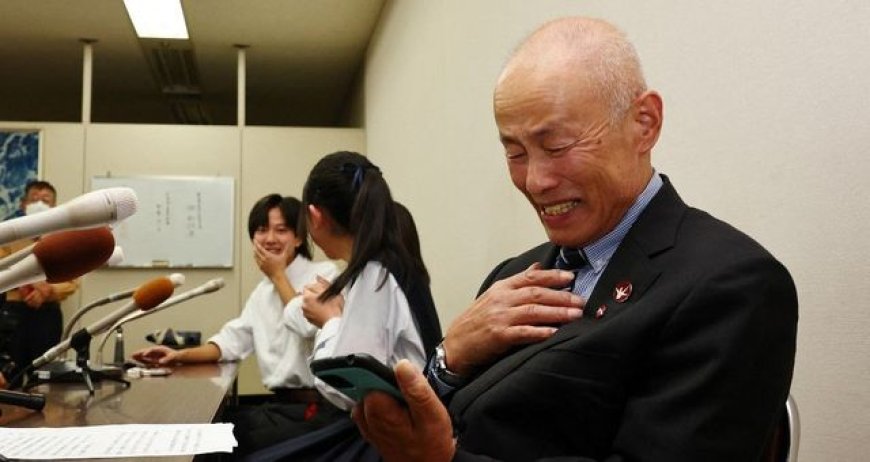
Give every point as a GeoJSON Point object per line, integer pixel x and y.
{"type": "Point", "coordinates": [115, 259]}
{"type": "Point", "coordinates": [35, 401]}
{"type": "Point", "coordinates": [206, 288]}
{"type": "Point", "coordinates": [177, 279]}
{"type": "Point", "coordinates": [59, 257]}
{"type": "Point", "coordinates": [147, 296]}
{"type": "Point", "coordinates": [96, 208]}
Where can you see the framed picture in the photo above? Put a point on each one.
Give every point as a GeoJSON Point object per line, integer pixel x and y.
{"type": "Point", "coordinates": [19, 164]}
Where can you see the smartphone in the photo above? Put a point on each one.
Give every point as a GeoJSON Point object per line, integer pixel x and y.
{"type": "Point", "coordinates": [356, 374]}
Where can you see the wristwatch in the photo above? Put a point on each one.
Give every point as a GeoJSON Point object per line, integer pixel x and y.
{"type": "Point", "coordinates": [442, 372]}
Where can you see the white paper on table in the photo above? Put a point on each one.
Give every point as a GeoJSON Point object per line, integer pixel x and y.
{"type": "Point", "coordinates": [100, 441]}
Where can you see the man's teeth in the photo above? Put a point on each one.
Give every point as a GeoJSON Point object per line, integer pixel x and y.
{"type": "Point", "coordinates": [558, 209]}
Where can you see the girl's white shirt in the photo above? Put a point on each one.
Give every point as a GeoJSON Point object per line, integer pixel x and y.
{"type": "Point", "coordinates": [376, 320]}
{"type": "Point", "coordinates": [279, 335]}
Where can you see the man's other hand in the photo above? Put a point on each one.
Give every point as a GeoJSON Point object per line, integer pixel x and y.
{"type": "Point", "coordinates": [419, 432]}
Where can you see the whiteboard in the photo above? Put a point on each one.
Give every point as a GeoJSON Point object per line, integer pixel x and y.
{"type": "Point", "coordinates": [180, 222]}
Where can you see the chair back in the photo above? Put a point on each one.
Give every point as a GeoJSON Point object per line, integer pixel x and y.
{"type": "Point", "coordinates": [784, 442]}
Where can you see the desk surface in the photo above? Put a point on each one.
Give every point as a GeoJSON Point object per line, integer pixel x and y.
{"type": "Point", "coordinates": [191, 394]}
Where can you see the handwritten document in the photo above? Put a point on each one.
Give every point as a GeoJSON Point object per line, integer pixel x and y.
{"type": "Point", "coordinates": [100, 441]}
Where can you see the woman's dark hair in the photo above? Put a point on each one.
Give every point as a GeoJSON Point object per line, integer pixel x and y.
{"type": "Point", "coordinates": [289, 207]}
{"type": "Point", "coordinates": [411, 240]}
{"type": "Point", "coordinates": [417, 288]}
{"type": "Point", "coordinates": [351, 189]}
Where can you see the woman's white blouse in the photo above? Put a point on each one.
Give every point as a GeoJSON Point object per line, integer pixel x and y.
{"type": "Point", "coordinates": [376, 320]}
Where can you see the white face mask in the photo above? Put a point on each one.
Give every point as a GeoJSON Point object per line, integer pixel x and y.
{"type": "Point", "coordinates": [36, 207]}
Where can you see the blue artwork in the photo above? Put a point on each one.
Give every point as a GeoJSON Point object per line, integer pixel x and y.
{"type": "Point", "coordinates": [19, 164]}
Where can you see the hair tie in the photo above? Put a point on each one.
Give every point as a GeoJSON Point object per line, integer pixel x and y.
{"type": "Point", "coordinates": [359, 173]}
{"type": "Point", "coordinates": [358, 177]}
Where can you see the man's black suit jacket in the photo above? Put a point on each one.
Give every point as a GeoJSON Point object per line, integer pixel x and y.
{"type": "Point", "coordinates": [694, 366]}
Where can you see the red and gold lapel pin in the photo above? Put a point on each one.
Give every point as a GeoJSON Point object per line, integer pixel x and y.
{"type": "Point", "coordinates": [622, 291]}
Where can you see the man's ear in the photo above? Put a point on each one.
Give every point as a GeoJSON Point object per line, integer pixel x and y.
{"type": "Point", "coordinates": [648, 118]}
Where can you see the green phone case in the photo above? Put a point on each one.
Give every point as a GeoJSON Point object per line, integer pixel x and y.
{"type": "Point", "coordinates": [356, 375]}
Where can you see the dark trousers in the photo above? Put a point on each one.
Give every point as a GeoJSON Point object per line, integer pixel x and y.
{"type": "Point", "coordinates": [29, 332]}
{"type": "Point", "coordinates": [259, 426]}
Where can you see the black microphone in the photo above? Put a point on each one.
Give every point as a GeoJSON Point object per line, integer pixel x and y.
{"type": "Point", "coordinates": [35, 401]}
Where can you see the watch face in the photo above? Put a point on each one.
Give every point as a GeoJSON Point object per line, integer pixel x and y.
{"type": "Point", "coordinates": [441, 370]}
{"type": "Point", "coordinates": [440, 357]}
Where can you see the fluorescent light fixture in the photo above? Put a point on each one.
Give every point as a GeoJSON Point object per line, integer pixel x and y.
{"type": "Point", "coordinates": [157, 18]}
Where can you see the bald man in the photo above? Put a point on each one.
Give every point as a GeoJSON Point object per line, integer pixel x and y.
{"type": "Point", "coordinates": [674, 336]}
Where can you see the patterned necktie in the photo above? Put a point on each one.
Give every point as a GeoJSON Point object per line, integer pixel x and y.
{"type": "Point", "coordinates": [570, 259]}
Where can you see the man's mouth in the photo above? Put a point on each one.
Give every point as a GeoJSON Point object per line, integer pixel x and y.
{"type": "Point", "coordinates": [558, 209]}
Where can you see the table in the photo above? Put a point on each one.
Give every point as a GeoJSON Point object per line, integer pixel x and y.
{"type": "Point", "coordinates": [193, 393]}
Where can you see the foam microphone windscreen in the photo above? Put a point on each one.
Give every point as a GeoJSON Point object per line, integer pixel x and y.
{"type": "Point", "coordinates": [67, 255]}
{"type": "Point", "coordinates": [153, 293]}
{"type": "Point", "coordinates": [125, 201]}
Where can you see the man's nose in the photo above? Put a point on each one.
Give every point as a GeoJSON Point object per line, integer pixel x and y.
{"type": "Point", "coordinates": [540, 176]}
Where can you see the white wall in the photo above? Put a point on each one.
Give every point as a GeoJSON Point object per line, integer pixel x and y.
{"type": "Point", "coordinates": [261, 160]}
{"type": "Point", "coordinates": [766, 109]}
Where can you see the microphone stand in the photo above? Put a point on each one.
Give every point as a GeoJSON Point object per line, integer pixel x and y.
{"type": "Point", "coordinates": [81, 343]}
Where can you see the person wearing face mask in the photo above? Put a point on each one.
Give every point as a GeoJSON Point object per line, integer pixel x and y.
{"type": "Point", "coordinates": [269, 326]}
{"type": "Point", "coordinates": [34, 309]}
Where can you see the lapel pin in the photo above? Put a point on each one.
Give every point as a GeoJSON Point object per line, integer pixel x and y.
{"type": "Point", "coordinates": [599, 313]}
{"type": "Point", "coordinates": [622, 291]}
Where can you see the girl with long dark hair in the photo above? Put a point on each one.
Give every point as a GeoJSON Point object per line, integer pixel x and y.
{"type": "Point", "coordinates": [380, 304]}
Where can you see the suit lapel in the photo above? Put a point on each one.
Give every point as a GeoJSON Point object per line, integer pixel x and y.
{"type": "Point", "coordinates": [653, 233]}
{"type": "Point", "coordinates": [628, 265]}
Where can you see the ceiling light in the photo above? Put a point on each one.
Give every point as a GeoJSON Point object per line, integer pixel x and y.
{"type": "Point", "coordinates": [157, 18]}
